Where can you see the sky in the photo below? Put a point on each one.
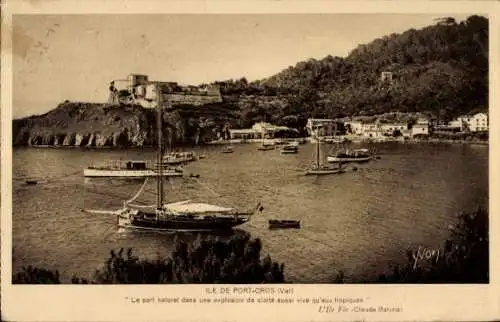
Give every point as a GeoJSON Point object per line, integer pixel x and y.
{"type": "Point", "coordinates": [74, 57]}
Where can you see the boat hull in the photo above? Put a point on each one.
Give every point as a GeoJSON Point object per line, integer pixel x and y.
{"type": "Point", "coordinates": [176, 162]}
{"type": "Point", "coordinates": [178, 158]}
{"type": "Point", "coordinates": [104, 173]}
{"type": "Point", "coordinates": [316, 172]}
{"type": "Point", "coordinates": [333, 159]}
{"type": "Point", "coordinates": [284, 224]}
{"type": "Point", "coordinates": [180, 224]}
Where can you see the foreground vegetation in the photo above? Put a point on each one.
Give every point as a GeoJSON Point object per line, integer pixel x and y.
{"type": "Point", "coordinates": [211, 260]}
{"type": "Point", "coordinates": [464, 258]}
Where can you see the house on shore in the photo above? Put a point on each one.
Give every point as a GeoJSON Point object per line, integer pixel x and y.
{"type": "Point", "coordinates": [391, 128]}
{"type": "Point", "coordinates": [325, 127]}
{"type": "Point", "coordinates": [466, 123]}
{"type": "Point", "coordinates": [376, 129]}
{"type": "Point", "coordinates": [379, 129]}
{"type": "Point", "coordinates": [260, 130]}
{"type": "Point", "coordinates": [473, 123]}
{"type": "Point", "coordinates": [355, 127]}
{"type": "Point", "coordinates": [420, 128]}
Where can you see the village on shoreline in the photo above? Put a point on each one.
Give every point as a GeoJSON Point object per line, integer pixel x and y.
{"type": "Point", "coordinates": [467, 129]}
{"type": "Point", "coordinates": [471, 129]}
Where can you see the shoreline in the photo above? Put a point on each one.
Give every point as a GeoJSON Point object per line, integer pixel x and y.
{"type": "Point", "coordinates": [256, 141]}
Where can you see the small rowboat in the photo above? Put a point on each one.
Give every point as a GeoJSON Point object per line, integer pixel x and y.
{"type": "Point", "coordinates": [277, 224]}
{"type": "Point", "coordinates": [290, 149]}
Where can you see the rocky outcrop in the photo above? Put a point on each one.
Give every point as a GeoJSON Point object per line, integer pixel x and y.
{"type": "Point", "coordinates": [102, 125]}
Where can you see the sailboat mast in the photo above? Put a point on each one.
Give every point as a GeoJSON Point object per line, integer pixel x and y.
{"type": "Point", "coordinates": [317, 147]}
{"type": "Point", "coordinates": [159, 155]}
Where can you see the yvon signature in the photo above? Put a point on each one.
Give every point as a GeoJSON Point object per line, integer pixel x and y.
{"type": "Point", "coordinates": [425, 254]}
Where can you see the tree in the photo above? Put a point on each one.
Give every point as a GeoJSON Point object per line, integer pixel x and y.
{"type": "Point", "coordinates": [397, 133]}
{"type": "Point", "coordinates": [205, 260]}
{"type": "Point", "coordinates": [464, 259]}
{"type": "Point", "coordinates": [34, 275]}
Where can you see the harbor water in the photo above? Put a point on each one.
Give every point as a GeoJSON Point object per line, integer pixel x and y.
{"type": "Point", "coordinates": [359, 222]}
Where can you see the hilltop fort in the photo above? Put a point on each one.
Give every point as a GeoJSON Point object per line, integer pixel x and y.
{"type": "Point", "coordinates": [139, 90]}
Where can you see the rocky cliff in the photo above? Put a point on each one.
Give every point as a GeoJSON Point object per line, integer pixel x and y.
{"type": "Point", "coordinates": [103, 125]}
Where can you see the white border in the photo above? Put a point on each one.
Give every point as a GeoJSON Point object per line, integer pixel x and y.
{"type": "Point", "coordinates": [103, 303]}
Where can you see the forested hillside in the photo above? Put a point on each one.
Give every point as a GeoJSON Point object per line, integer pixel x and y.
{"type": "Point", "coordinates": [441, 69]}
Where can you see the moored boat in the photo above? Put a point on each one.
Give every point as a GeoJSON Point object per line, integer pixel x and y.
{"type": "Point", "coordinates": [179, 157]}
{"type": "Point", "coordinates": [357, 155]}
{"type": "Point", "coordinates": [227, 149]}
{"type": "Point", "coordinates": [266, 145]}
{"type": "Point", "coordinates": [277, 224]}
{"type": "Point", "coordinates": [289, 149]}
{"type": "Point", "coordinates": [301, 140]}
{"type": "Point", "coordinates": [129, 169]}
{"type": "Point", "coordinates": [333, 140]}
{"type": "Point", "coordinates": [183, 216]}
{"type": "Point", "coordinates": [279, 141]}
{"type": "Point", "coordinates": [320, 169]}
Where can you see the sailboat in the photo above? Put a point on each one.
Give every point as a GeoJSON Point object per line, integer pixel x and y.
{"type": "Point", "coordinates": [178, 216]}
{"type": "Point", "coordinates": [346, 156]}
{"type": "Point", "coordinates": [320, 169]}
{"type": "Point", "coordinates": [263, 146]}
{"type": "Point", "coordinates": [227, 148]}
{"type": "Point", "coordinates": [179, 157]}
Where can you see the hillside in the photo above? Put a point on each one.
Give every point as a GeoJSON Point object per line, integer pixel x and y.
{"type": "Point", "coordinates": [440, 70]}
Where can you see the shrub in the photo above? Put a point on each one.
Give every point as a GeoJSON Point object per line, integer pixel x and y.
{"type": "Point", "coordinates": [210, 260]}
{"type": "Point", "coordinates": [465, 257]}
{"type": "Point", "coordinates": [34, 275]}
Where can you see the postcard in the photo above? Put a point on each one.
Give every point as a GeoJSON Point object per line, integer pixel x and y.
{"type": "Point", "coordinates": [247, 161]}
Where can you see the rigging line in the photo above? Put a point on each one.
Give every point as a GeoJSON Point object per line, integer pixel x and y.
{"type": "Point", "coordinates": [101, 212]}
{"type": "Point", "coordinates": [109, 194]}
{"type": "Point", "coordinates": [139, 192]}
{"type": "Point", "coordinates": [210, 190]}
{"type": "Point", "coordinates": [171, 183]}
{"type": "Point", "coordinates": [142, 206]}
